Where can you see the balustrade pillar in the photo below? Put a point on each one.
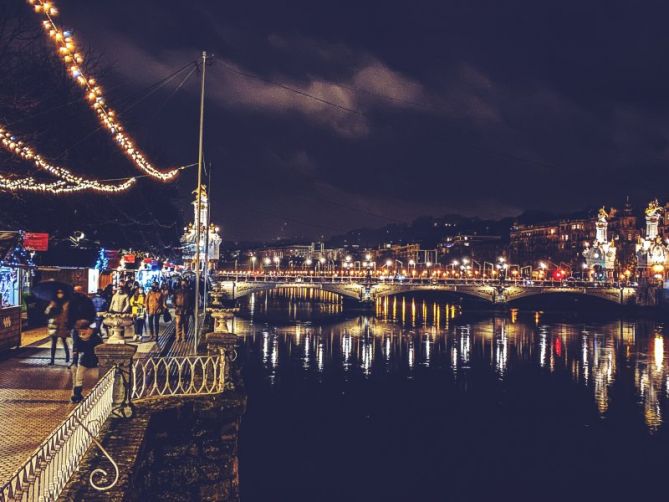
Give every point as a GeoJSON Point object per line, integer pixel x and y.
{"type": "Point", "coordinates": [224, 345]}
{"type": "Point", "coordinates": [118, 356]}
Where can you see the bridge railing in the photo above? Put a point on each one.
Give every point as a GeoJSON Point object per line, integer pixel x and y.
{"type": "Point", "coordinates": [178, 376]}
{"type": "Point", "coordinates": [44, 475]}
{"type": "Point", "coordinates": [472, 281]}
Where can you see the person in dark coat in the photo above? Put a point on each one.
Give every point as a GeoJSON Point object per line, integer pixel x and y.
{"type": "Point", "coordinates": [183, 309]}
{"type": "Point", "coordinates": [81, 308]}
{"type": "Point", "coordinates": [100, 303]}
{"type": "Point", "coordinates": [58, 314]}
{"type": "Point", "coordinates": [84, 359]}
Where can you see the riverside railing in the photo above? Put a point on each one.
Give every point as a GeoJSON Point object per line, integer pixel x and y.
{"type": "Point", "coordinates": [177, 376]}
{"type": "Point", "coordinates": [44, 475]}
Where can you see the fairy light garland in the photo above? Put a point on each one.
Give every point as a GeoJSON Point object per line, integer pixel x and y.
{"type": "Point", "coordinates": [18, 148]}
{"type": "Point", "coordinates": [30, 184]}
{"type": "Point", "coordinates": [67, 50]}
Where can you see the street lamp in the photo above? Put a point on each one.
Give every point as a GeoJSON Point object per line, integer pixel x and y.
{"type": "Point", "coordinates": [253, 263]}
{"type": "Point", "coordinates": [454, 264]}
{"type": "Point", "coordinates": [277, 261]}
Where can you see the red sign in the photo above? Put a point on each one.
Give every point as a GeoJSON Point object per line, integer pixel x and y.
{"type": "Point", "coordinates": [129, 258]}
{"type": "Point", "coordinates": [36, 241]}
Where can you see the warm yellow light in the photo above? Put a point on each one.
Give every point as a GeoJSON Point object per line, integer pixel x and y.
{"type": "Point", "coordinates": [65, 46]}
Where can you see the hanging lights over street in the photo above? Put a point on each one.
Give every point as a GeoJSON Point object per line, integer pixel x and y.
{"type": "Point", "coordinates": [73, 59]}
{"type": "Point", "coordinates": [68, 181]}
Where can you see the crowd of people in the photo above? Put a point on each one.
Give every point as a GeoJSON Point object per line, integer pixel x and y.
{"type": "Point", "coordinates": [81, 318]}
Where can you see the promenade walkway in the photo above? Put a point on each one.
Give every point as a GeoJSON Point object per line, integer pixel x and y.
{"type": "Point", "coordinates": [35, 397]}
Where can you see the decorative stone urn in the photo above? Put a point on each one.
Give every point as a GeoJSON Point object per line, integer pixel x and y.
{"type": "Point", "coordinates": [220, 317]}
{"type": "Point", "coordinates": [117, 323]}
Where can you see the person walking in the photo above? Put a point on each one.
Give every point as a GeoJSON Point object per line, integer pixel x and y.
{"type": "Point", "coordinates": [83, 358]}
{"type": "Point", "coordinates": [100, 303]}
{"type": "Point", "coordinates": [81, 309]}
{"type": "Point", "coordinates": [120, 302]}
{"type": "Point", "coordinates": [58, 314]}
{"type": "Point", "coordinates": [183, 308]}
{"type": "Point", "coordinates": [138, 307]}
{"type": "Point", "coordinates": [155, 306]}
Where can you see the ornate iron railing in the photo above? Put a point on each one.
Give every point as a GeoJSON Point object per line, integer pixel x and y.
{"type": "Point", "coordinates": [177, 376]}
{"type": "Point", "coordinates": [44, 475]}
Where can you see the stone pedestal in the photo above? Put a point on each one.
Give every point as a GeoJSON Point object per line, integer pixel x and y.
{"type": "Point", "coordinates": [223, 345]}
{"type": "Point", "coordinates": [118, 355]}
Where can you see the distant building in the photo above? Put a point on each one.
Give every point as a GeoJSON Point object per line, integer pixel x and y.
{"type": "Point", "coordinates": [209, 235]}
{"type": "Point", "coordinates": [623, 225]}
{"type": "Point", "coordinates": [600, 255]}
{"type": "Point", "coordinates": [528, 243]}
{"type": "Point", "coordinates": [479, 247]}
{"type": "Point", "coordinates": [652, 252]}
{"type": "Point", "coordinates": [408, 254]}
{"type": "Point", "coordinates": [297, 255]}
{"type": "Point", "coordinates": [559, 241]}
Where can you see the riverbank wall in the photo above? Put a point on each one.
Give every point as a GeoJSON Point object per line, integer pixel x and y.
{"type": "Point", "coordinates": [171, 449]}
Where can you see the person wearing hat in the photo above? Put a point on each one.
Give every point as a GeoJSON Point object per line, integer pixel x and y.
{"type": "Point", "coordinates": [84, 359]}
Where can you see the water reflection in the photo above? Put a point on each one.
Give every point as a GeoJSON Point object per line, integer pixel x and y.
{"type": "Point", "coordinates": [405, 335]}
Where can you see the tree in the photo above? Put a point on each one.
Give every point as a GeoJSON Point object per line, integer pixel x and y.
{"type": "Point", "coordinates": [39, 102]}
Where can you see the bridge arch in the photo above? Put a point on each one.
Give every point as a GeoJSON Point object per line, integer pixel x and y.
{"type": "Point", "coordinates": [487, 293]}
{"type": "Point", "coordinates": [232, 290]}
{"type": "Point", "coordinates": [620, 296]}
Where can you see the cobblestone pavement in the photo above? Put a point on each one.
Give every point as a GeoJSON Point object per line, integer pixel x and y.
{"type": "Point", "coordinates": [34, 397]}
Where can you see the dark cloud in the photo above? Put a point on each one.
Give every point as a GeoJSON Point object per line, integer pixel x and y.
{"type": "Point", "coordinates": [483, 108]}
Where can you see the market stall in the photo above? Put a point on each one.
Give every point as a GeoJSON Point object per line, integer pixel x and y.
{"type": "Point", "coordinates": [14, 269]}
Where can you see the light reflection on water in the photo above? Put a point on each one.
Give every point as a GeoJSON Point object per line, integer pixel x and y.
{"type": "Point", "coordinates": [404, 335]}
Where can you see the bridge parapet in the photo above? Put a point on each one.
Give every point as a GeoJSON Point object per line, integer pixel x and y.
{"type": "Point", "coordinates": [369, 289]}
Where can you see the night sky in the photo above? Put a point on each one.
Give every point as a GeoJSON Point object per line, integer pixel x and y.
{"type": "Point", "coordinates": [483, 108]}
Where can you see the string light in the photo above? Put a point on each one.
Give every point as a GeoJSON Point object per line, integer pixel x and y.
{"type": "Point", "coordinates": [69, 182]}
{"type": "Point", "coordinates": [73, 59]}
{"type": "Point", "coordinates": [30, 184]}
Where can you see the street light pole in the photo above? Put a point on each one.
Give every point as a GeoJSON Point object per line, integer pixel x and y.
{"type": "Point", "coordinates": [198, 222]}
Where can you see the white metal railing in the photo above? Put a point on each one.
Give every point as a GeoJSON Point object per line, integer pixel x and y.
{"type": "Point", "coordinates": [177, 376]}
{"type": "Point", "coordinates": [44, 475]}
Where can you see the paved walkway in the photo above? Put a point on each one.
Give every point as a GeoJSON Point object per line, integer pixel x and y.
{"type": "Point", "coordinates": [34, 397]}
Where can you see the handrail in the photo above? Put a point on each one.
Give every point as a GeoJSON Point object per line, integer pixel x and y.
{"type": "Point", "coordinates": [46, 472]}
{"type": "Point", "coordinates": [177, 376]}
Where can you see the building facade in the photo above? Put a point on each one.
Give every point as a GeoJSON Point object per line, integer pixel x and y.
{"type": "Point", "coordinates": [600, 255]}
{"type": "Point", "coordinates": [210, 239]}
{"type": "Point", "coordinates": [652, 252]}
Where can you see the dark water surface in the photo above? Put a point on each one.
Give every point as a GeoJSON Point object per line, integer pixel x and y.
{"type": "Point", "coordinates": [425, 400]}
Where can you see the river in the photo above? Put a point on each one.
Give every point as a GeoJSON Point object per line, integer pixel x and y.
{"type": "Point", "coordinates": [422, 399]}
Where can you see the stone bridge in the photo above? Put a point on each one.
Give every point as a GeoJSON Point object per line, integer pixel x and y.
{"type": "Point", "coordinates": [230, 287]}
